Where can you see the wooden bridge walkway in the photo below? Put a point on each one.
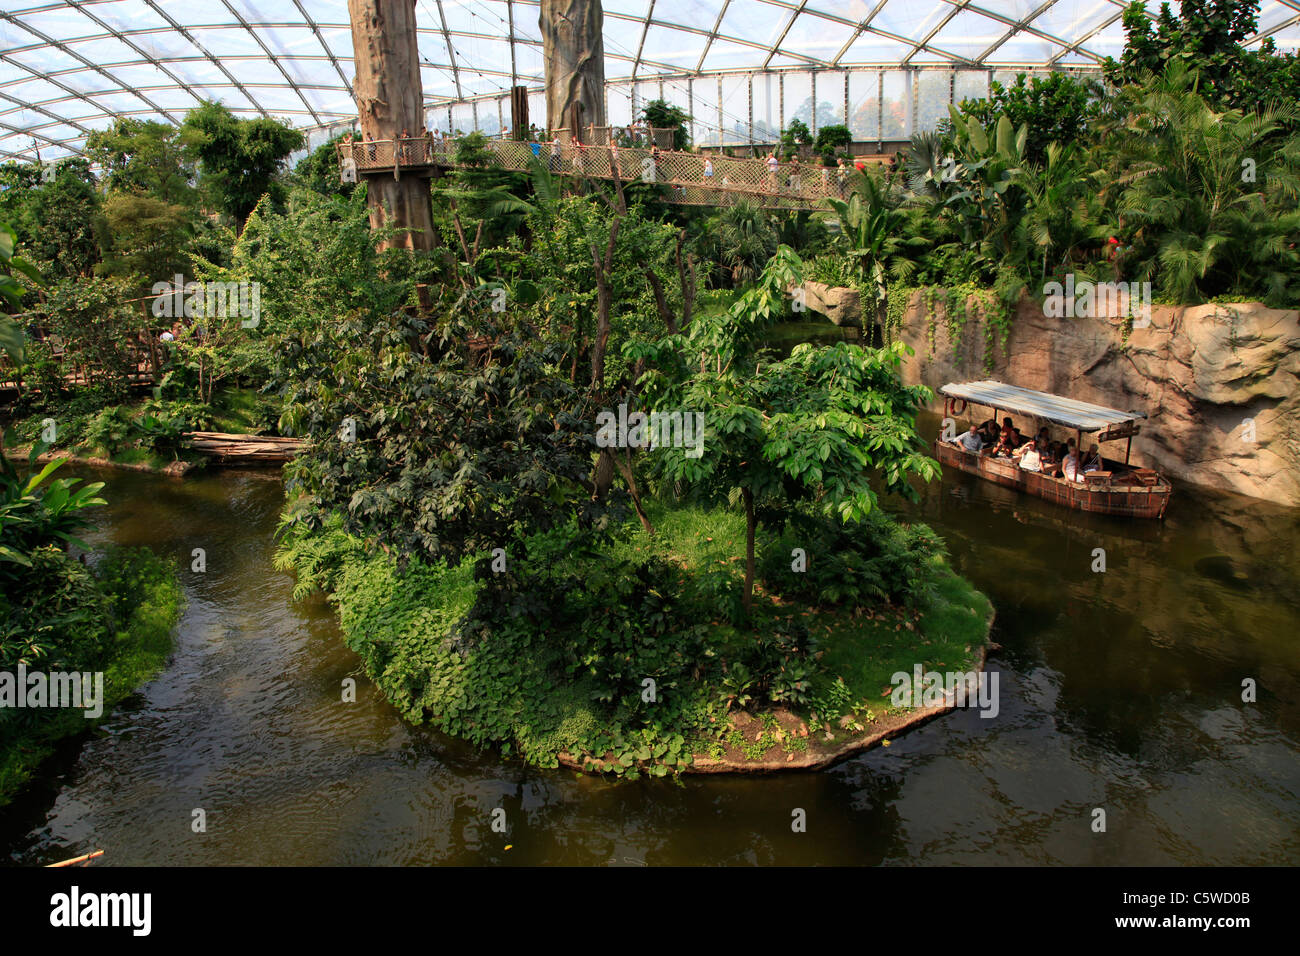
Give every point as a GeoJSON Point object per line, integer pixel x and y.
{"type": "Point", "coordinates": [228, 449]}
{"type": "Point", "coordinates": [699, 179]}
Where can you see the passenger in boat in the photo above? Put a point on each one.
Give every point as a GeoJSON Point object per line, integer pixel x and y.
{"type": "Point", "coordinates": [989, 431]}
{"type": "Point", "coordinates": [1030, 459]}
{"type": "Point", "coordinates": [1009, 439]}
{"type": "Point", "coordinates": [1070, 466]}
{"type": "Point", "coordinates": [1092, 460]}
{"type": "Point", "coordinates": [970, 441]}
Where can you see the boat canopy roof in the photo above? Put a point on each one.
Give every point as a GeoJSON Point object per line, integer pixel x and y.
{"type": "Point", "coordinates": [1053, 408]}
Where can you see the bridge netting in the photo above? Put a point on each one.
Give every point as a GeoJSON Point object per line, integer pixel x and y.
{"type": "Point", "coordinates": [700, 179]}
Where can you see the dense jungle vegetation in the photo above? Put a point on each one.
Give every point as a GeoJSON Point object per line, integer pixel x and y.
{"type": "Point", "coordinates": [498, 572]}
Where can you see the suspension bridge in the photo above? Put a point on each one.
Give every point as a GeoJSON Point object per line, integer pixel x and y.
{"type": "Point", "coordinates": [688, 178]}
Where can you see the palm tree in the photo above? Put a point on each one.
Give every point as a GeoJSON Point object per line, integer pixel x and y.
{"type": "Point", "coordinates": [874, 227]}
{"type": "Point", "coordinates": [1209, 198]}
{"type": "Point", "coordinates": [743, 240]}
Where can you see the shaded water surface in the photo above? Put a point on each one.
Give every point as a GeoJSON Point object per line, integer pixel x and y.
{"type": "Point", "coordinates": [1119, 690]}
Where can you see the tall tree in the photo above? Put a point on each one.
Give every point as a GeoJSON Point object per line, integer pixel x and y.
{"type": "Point", "coordinates": [816, 427]}
{"type": "Point", "coordinates": [144, 156]}
{"type": "Point", "coordinates": [574, 47]}
{"type": "Point", "coordinates": [240, 160]}
{"type": "Point", "coordinates": [63, 213]}
{"type": "Point", "coordinates": [390, 98]}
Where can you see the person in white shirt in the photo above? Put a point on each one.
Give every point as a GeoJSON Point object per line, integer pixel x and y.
{"type": "Point", "coordinates": [1070, 469]}
{"type": "Point", "coordinates": [971, 440]}
{"type": "Point", "coordinates": [1030, 459]}
{"type": "Point", "coordinates": [708, 170]}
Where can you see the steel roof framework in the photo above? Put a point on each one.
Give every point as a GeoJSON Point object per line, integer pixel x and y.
{"type": "Point", "coordinates": [68, 67]}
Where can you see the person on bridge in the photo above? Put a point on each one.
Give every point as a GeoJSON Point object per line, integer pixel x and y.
{"type": "Point", "coordinates": [708, 171]}
{"type": "Point", "coordinates": [841, 175]}
{"type": "Point", "coordinates": [772, 165]}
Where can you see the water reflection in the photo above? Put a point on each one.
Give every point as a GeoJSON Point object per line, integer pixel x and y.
{"type": "Point", "coordinates": [1119, 690]}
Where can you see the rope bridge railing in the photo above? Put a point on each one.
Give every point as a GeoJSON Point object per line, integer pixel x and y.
{"type": "Point", "coordinates": [689, 178]}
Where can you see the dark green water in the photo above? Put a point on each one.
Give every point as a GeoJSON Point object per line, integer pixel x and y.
{"type": "Point", "coordinates": [1119, 690]}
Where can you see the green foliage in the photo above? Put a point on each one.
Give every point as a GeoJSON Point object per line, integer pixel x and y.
{"type": "Point", "coordinates": [316, 258]}
{"type": "Point", "coordinates": [239, 160]}
{"type": "Point", "coordinates": [1057, 109]}
{"type": "Point", "coordinates": [831, 141]}
{"type": "Point", "coordinates": [815, 427]}
{"type": "Point", "coordinates": [96, 328]}
{"type": "Point", "coordinates": [549, 656]}
{"type": "Point", "coordinates": [1205, 200]}
{"type": "Point", "coordinates": [319, 171]}
{"type": "Point", "coordinates": [144, 239]}
{"type": "Point", "coordinates": [61, 237]}
{"type": "Point", "coordinates": [874, 239]}
{"type": "Point", "coordinates": [834, 270]}
{"type": "Point", "coordinates": [35, 514]}
{"type": "Point", "coordinates": [63, 616]}
{"type": "Point", "coordinates": [740, 239]}
{"type": "Point", "coordinates": [793, 136]}
{"type": "Point", "coordinates": [54, 617]}
{"type": "Point", "coordinates": [878, 560]}
{"type": "Point", "coordinates": [11, 295]}
{"type": "Point", "coordinates": [660, 114]}
{"type": "Point", "coordinates": [144, 158]}
{"type": "Point", "coordinates": [1209, 36]}
{"type": "Point", "coordinates": [466, 431]}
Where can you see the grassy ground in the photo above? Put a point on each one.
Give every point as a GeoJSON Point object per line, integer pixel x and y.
{"type": "Point", "coordinates": [861, 648]}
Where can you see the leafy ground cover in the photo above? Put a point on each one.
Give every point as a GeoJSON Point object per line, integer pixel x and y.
{"type": "Point", "coordinates": [558, 672]}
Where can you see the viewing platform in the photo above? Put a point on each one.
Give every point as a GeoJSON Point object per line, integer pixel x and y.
{"type": "Point", "coordinates": [697, 179]}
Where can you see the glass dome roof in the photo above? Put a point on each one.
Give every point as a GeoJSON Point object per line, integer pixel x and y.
{"type": "Point", "coordinates": [69, 67]}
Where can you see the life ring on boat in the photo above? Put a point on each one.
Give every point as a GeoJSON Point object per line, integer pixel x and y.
{"type": "Point", "coordinates": [951, 408]}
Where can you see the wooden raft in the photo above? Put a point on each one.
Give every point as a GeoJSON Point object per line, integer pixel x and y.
{"type": "Point", "coordinates": [244, 449]}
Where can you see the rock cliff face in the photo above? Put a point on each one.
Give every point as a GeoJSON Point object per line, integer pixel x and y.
{"type": "Point", "coordinates": [842, 306]}
{"type": "Point", "coordinates": [1218, 382]}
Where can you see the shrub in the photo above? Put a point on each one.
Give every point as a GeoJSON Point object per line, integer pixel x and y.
{"type": "Point", "coordinates": [877, 560]}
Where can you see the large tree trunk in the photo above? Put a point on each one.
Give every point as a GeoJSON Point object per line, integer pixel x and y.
{"type": "Point", "coordinates": [390, 98]}
{"type": "Point", "coordinates": [575, 62]}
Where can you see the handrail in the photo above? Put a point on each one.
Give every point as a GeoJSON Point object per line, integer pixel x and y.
{"type": "Point", "coordinates": [691, 178]}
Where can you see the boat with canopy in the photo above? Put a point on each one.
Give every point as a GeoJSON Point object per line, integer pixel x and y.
{"type": "Point", "coordinates": [1116, 487]}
